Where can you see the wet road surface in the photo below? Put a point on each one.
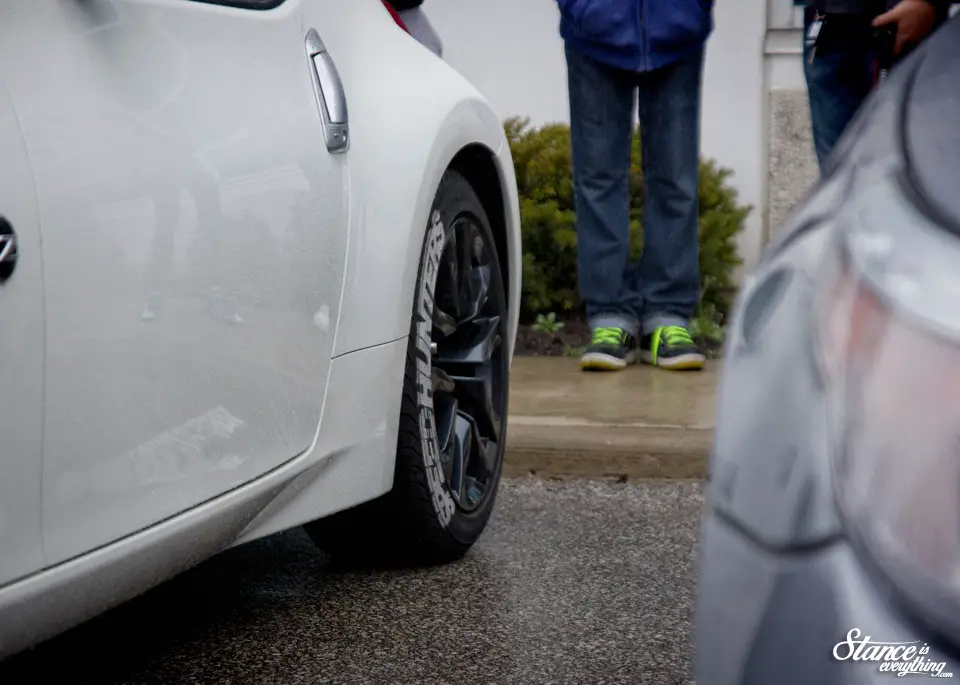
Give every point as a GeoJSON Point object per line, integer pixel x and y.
{"type": "Point", "coordinates": [574, 583]}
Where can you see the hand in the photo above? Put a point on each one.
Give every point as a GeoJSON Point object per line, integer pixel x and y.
{"type": "Point", "coordinates": [914, 20]}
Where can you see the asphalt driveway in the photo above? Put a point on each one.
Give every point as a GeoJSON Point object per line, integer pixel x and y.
{"type": "Point", "coordinates": [575, 583]}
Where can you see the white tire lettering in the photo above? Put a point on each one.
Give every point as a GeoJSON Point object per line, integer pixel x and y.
{"type": "Point", "coordinates": [442, 500]}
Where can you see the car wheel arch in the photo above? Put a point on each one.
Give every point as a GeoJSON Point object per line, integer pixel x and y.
{"type": "Point", "coordinates": [477, 163]}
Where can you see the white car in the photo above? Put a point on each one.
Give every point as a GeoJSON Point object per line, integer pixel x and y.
{"type": "Point", "coordinates": [259, 268]}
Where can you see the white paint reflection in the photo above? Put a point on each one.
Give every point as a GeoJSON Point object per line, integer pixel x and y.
{"type": "Point", "coordinates": [185, 451]}
{"type": "Point", "coordinates": [322, 318]}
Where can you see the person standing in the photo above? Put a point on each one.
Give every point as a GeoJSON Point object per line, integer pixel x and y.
{"type": "Point", "coordinates": [841, 38]}
{"type": "Point", "coordinates": [615, 50]}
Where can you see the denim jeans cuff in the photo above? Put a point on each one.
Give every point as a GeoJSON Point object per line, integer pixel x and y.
{"type": "Point", "coordinates": [655, 321]}
{"type": "Point", "coordinates": [627, 323]}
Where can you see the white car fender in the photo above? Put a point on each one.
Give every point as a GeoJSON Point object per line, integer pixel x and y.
{"type": "Point", "coordinates": [390, 206]}
{"type": "Point", "coordinates": [396, 158]}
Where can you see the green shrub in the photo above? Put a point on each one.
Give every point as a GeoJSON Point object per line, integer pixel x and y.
{"type": "Point", "coordinates": [541, 157]}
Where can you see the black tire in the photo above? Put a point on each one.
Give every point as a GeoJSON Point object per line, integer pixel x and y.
{"type": "Point", "coordinates": [421, 520]}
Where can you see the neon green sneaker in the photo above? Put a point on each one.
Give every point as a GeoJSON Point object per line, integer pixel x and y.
{"type": "Point", "coordinates": [671, 347]}
{"type": "Point", "coordinates": [611, 349]}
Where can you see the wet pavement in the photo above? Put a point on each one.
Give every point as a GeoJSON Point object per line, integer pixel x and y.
{"type": "Point", "coordinates": [563, 422]}
{"type": "Point", "coordinates": [556, 388]}
{"type": "Point", "coordinates": [574, 583]}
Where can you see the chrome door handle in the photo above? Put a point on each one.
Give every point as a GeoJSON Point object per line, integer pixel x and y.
{"type": "Point", "coordinates": [331, 98]}
{"type": "Point", "coordinates": [8, 250]}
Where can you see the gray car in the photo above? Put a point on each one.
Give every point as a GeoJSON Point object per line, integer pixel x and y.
{"type": "Point", "coordinates": [831, 540]}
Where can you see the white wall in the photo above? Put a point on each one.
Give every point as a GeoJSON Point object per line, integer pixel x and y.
{"type": "Point", "coordinates": [511, 51]}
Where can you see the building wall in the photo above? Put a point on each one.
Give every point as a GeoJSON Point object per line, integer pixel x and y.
{"type": "Point", "coordinates": [755, 118]}
{"type": "Point", "coordinates": [791, 162]}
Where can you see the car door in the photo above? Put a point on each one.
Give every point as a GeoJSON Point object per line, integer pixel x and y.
{"type": "Point", "coordinates": [21, 354]}
{"type": "Point", "coordinates": [194, 208]}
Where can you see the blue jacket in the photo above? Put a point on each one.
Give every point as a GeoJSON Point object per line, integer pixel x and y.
{"type": "Point", "coordinates": [636, 35]}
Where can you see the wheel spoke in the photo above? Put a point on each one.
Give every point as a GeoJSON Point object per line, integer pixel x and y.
{"type": "Point", "coordinates": [477, 391]}
{"type": "Point", "coordinates": [448, 298]}
{"type": "Point", "coordinates": [464, 434]}
{"type": "Point", "coordinates": [474, 465]}
{"type": "Point", "coordinates": [445, 409]}
{"type": "Point", "coordinates": [490, 456]}
{"type": "Point", "coordinates": [441, 381]}
{"type": "Point", "coordinates": [445, 323]}
{"type": "Point", "coordinates": [475, 344]}
{"type": "Point", "coordinates": [474, 286]}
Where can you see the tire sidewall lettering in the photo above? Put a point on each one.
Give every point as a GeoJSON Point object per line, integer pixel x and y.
{"type": "Point", "coordinates": [443, 503]}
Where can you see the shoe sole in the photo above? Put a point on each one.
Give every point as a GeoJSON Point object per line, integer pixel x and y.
{"type": "Point", "coordinates": [679, 363]}
{"type": "Point", "coordinates": [597, 361]}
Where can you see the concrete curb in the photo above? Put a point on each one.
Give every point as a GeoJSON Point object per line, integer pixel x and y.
{"type": "Point", "coordinates": [558, 447]}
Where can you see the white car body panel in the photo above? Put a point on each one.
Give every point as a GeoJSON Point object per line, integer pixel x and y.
{"type": "Point", "coordinates": [21, 361]}
{"type": "Point", "coordinates": [439, 114]}
{"type": "Point", "coordinates": [171, 439]}
{"type": "Point", "coordinates": [188, 109]}
{"type": "Point", "coordinates": [353, 464]}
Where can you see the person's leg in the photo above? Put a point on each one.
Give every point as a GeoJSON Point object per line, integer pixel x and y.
{"type": "Point", "coordinates": [668, 274]}
{"type": "Point", "coordinates": [838, 74]}
{"type": "Point", "coordinates": [601, 118]}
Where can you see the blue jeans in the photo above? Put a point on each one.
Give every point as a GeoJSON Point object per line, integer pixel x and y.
{"type": "Point", "coordinates": [839, 77]}
{"type": "Point", "coordinates": [663, 287]}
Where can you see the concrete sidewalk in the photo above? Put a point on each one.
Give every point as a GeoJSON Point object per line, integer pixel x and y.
{"type": "Point", "coordinates": [638, 423]}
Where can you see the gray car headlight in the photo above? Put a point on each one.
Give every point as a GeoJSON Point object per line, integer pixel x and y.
{"type": "Point", "coordinates": [889, 343]}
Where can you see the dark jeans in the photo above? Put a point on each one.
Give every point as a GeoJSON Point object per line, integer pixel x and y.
{"type": "Point", "coordinates": [663, 287]}
{"type": "Point", "coordinates": [839, 77]}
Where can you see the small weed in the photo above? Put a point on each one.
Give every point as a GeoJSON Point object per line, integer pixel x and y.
{"type": "Point", "coordinates": [573, 351]}
{"type": "Point", "coordinates": [707, 330]}
{"type": "Point", "coordinates": [548, 324]}
{"type": "Point", "coordinates": [706, 324]}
